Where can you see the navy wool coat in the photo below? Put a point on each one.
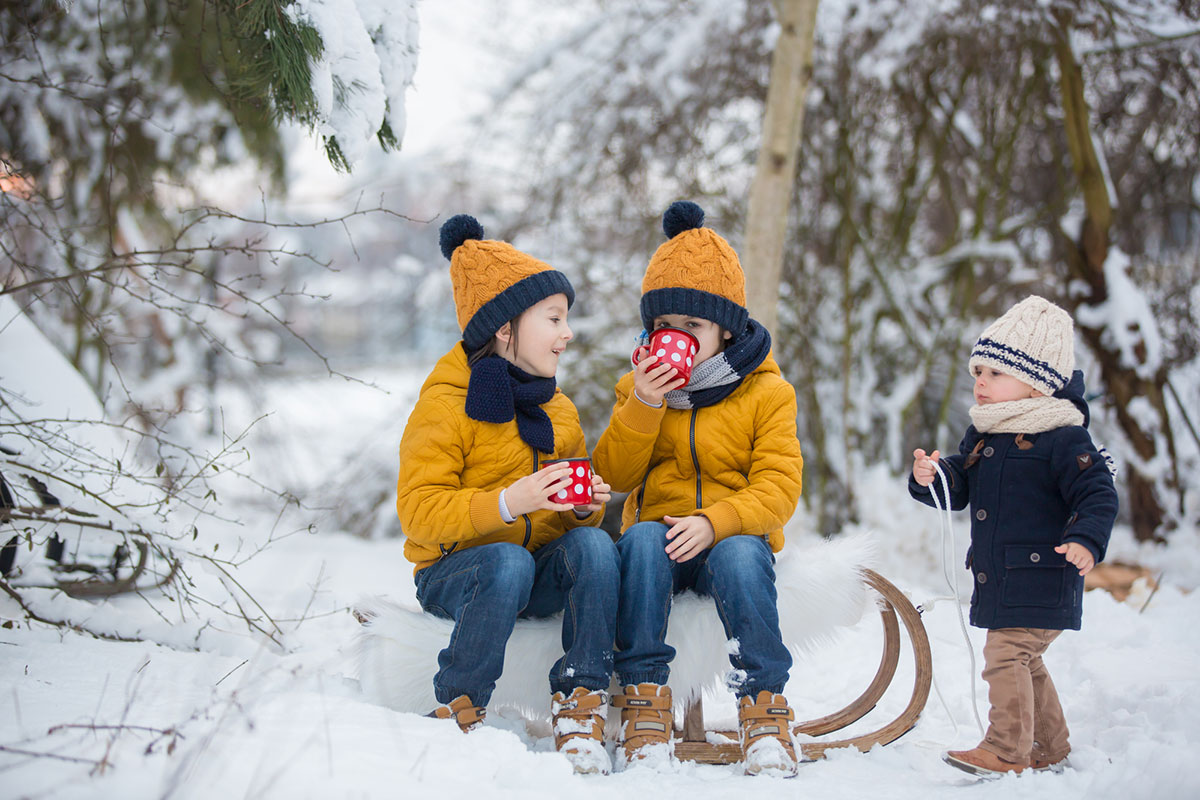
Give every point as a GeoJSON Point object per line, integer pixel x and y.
{"type": "Point", "coordinates": [1028, 494]}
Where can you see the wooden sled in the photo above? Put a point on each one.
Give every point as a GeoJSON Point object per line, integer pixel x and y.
{"type": "Point", "coordinates": [103, 572]}
{"type": "Point", "coordinates": [409, 646]}
{"type": "Point", "coordinates": [694, 745]}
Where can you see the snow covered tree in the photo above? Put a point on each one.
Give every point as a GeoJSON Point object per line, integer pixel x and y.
{"type": "Point", "coordinates": [1117, 321]}
{"type": "Point", "coordinates": [122, 127]}
{"type": "Point", "coordinates": [775, 171]}
{"type": "Point", "coordinates": [117, 121]}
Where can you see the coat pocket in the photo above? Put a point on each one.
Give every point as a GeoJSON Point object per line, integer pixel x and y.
{"type": "Point", "coordinates": [1034, 575]}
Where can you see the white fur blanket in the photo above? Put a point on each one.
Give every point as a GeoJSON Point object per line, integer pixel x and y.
{"type": "Point", "coordinates": [820, 589]}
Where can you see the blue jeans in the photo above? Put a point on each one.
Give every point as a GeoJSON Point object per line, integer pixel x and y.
{"type": "Point", "coordinates": [485, 589]}
{"type": "Point", "coordinates": [737, 572]}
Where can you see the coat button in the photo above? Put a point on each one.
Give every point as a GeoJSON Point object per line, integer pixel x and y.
{"type": "Point", "coordinates": [981, 577]}
{"type": "Point", "coordinates": [981, 515]}
{"type": "Point", "coordinates": [1035, 557]}
{"type": "Point", "coordinates": [989, 451]}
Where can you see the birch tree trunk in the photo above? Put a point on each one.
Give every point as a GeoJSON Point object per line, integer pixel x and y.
{"type": "Point", "coordinates": [1125, 382]}
{"type": "Point", "coordinates": [774, 177]}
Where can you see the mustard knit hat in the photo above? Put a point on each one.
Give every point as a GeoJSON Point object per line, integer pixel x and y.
{"type": "Point", "coordinates": [493, 281]}
{"type": "Point", "coordinates": [1034, 342]}
{"type": "Point", "coordinates": [695, 272]}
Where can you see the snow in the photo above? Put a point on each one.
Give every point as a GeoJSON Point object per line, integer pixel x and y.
{"type": "Point", "coordinates": [233, 714]}
{"type": "Point", "coordinates": [210, 709]}
{"type": "Point", "coordinates": [1126, 318]}
{"type": "Point", "coordinates": [367, 63]}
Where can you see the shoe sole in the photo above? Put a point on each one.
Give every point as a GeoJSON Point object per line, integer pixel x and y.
{"type": "Point", "coordinates": [979, 772]}
{"type": "Point", "coordinates": [772, 771]}
{"type": "Point", "coordinates": [1056, 768]}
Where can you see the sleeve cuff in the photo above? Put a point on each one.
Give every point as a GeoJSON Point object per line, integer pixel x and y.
{"type": "Point", "coordinates": [485, 512]}
{"type": "Point", "coordinates": [641, 417]}
{"type": "Point", "coordinates": [505, 514]}
{"type": "Point", "coordinates": [724, 519]}
{"type": "Point", "coordinates": [639, 397]}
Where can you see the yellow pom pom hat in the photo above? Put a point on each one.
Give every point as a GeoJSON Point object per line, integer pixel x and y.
{"type": "Point", "coordinates": [493, 281]}
{"type": "Point", "coordinates": [695, 272]}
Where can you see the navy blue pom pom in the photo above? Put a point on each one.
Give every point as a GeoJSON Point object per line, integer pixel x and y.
{"type": "Point", "coordinates": [457, 230]}
{"type": "Point", "coordinates": [683, 215]}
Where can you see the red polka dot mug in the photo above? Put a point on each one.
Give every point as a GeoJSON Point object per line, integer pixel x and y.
{"type": "Point", "coordinates": [579, 491]}
{"type": "Point", "coordinates": [674, 347]}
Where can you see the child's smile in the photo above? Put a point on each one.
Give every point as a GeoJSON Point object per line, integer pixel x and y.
{"type": "Point", "coordinates": [542, 336]}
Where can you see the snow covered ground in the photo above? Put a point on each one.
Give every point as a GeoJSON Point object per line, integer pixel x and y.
{"type": "Point", "coordinates": [84, 718]}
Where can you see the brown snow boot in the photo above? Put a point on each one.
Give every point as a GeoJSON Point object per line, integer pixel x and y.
{"type": "Point", "coordinates": [766, 735]}
{"type": "Point", "coordinates": [1047, 764]}
{"type": "Point", "coordinates": [579, 729]}
{"type": "Point", "coordinates": [646, 720]}
{"type": "Point", "coordinates": [978, 761]}
{"type": "Point", "coordinates": [463, 711]}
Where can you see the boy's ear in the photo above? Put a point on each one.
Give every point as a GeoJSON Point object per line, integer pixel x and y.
{"type": "Point", "coordinates": [727, 335]}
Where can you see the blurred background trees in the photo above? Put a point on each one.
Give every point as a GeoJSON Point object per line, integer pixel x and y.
{"type": "Point", "coordinates": [952, 160]}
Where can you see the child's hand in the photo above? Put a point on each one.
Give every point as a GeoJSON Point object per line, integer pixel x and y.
{"type": "Point", "coordinates": [689, 536]}
{"type": "Point", "coordinates": [1078, 555]}
{"type": "Point", "coordinates": [652, 380]}
{"type": "Point", "coordinates": [923, 469]}
{"type": "Point", "coordinates": [532, 492]}
{"type": "Point", "coordinates": [601, 494]}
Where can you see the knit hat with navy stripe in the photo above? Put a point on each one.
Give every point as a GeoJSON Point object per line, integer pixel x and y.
{"type": "Point", "coordinates": [695, 272]}
{"type": "Point", "coordinates": [493, 281]}
{"type": "Point", "coordinates": [1034, 342]}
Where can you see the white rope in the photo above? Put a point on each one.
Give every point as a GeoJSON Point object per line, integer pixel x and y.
{"type": "Point", "coordinates": [951, 577]}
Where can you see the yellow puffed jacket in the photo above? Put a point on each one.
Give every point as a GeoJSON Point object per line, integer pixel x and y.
{"type": "Point", "coordinates": [737, 462]}
{"type": "Point", "coordinates": [452, 469]}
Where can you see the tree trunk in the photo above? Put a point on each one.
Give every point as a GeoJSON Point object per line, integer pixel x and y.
{"type": "Point", "coordinates": [775, 173]}
{"type": "Point", "coordinates": [1086, 258]}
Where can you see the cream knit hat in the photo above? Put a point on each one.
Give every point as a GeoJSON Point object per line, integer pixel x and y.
{"type": "Point", "coordinates": [1034, 342]}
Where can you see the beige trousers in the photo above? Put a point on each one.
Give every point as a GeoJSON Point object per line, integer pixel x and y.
{"type": "Point", "coordinates": [1026, 720]}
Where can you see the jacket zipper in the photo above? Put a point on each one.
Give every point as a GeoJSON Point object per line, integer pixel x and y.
{"type": "Point", "coordinates": [637, 515]}
{"type": "Point", "coordinates": [528, 523]}
{"type": "Point", "coordinates": [695, 458]}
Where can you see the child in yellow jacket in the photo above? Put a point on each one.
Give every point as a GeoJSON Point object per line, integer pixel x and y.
{"type": "Point", "coordinates": [713, 470]}
{"type": "Point", "coordinates": [488, 542]}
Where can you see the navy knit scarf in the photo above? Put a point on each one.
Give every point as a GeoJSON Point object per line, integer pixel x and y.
{"type": "Point", "coordinates": [500, 390]}
{"type": "Point", "coordinates": [717, 378]}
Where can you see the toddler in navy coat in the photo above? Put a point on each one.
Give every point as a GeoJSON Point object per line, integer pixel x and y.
{"type": "Point", "coordinates": [1042, 508]}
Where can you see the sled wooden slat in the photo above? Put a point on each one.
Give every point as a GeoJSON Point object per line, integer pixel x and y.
{"type": "Point", "coordinates": [695, 747]}
{"type": "Point", "coordinates": [693, 722]}
{"type": "Point", "coordinates": [706, 753]}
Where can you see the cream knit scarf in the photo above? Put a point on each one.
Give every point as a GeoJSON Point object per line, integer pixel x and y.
{"type": "Point", "coordinates": [1032, 415]}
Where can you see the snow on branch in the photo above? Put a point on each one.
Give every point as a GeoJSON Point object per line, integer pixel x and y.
{"type": "Point", "coordinates": [1126, 318]}
{"type": "Point", "coordinates": [366, 63]}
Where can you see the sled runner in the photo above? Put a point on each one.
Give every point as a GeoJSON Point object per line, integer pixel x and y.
{"type": "Point", "coordinates": [695, 746]}
{"type": "Point", "coordinates": [398, 645]}
{"type": "Point", "coordinates": [91, 558]}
